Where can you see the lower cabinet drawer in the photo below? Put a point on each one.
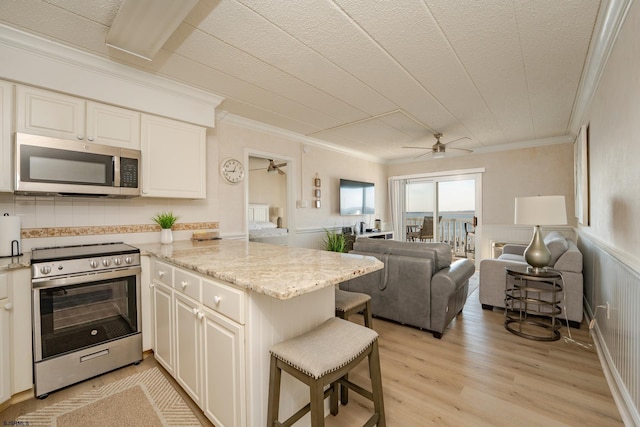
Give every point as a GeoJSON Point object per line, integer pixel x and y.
{"type": "Point", "coordinates": [224, 299]}
{"type": "Point", "coordinates": [162, 273]}
{"type": "Point", "coordinates": [187, 283]}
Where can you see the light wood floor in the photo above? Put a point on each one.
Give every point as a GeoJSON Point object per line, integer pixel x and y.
{"type": "Point", "coordinates": [478, 374]}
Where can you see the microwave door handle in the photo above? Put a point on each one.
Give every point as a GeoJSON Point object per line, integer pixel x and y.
{"type": "Point", "coordinates": [116, 171]}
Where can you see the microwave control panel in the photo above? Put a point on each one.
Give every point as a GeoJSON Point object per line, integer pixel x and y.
{"type": "Point", "coordinates": [128, 172]}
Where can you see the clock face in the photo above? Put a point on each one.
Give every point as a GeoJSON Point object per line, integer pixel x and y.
{"type": "Point", "coordinates": [232, 170]}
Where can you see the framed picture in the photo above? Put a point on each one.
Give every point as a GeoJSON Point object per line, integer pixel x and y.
{"type": "Point", "coordinates": [581, 175]}
{"type": "Point", "coordinates": [317, 193]}
{"type": "Point", "coordinates": [317, 182]}
{"type": "Point", "coordinates": [317, 203]}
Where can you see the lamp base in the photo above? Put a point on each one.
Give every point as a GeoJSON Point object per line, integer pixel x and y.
{"type": "Point", "coordinates": [537, 254]}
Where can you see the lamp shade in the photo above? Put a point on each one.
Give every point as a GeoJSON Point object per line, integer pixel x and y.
{"type": "Point", "coordinates": [541, 210]}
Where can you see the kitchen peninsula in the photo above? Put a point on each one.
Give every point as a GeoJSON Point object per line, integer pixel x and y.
{"type": "Point", "coordinates": [216, 307]}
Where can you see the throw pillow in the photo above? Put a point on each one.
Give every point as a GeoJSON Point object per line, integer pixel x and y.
{"type": "Point", "coordinates": [557, 245]}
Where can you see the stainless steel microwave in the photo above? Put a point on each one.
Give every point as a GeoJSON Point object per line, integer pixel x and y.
{"type": "Point", "coordinates": [52, 166]}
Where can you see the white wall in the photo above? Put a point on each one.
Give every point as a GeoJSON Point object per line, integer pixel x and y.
{"type": "Point", "coordinates": [237, 138]}
{"type": "Point", "coordinates": [546, 170]}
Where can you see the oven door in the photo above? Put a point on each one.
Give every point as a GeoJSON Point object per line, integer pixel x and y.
{"type": "Point", "coordinates": [77, 312]}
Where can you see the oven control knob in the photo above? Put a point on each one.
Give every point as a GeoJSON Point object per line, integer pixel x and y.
{"type": "Point", "coordinates": [128, 260]}
{"type": "Point", "coordinates": [93, 263]}
{"type": "Point", "coordinates": [106, 262]}
{"type": "Point", "coordinates": [117, 261]}
{"type": "Point", "coordinates": [45, 269]}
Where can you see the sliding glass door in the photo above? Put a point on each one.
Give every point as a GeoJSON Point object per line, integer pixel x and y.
{"type": "Point", "coordinates": [439, 209]}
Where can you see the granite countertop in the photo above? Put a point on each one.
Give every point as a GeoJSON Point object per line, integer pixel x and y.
{"type": "Point", "coordinates": [281, 272]}
{"type": "Point", "coordinates": [8, 263]}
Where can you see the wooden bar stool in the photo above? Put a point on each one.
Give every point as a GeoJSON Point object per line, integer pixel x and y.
{"type": "Point", "coordinates": [348, 303]}
{"type": "Point", "coordinates": [321, 357]}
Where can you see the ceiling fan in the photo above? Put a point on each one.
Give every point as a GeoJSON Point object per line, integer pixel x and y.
{"type": "Point", "coordinates": [273, 167]}
{"type": "Point", "coordinates": [439, 149]}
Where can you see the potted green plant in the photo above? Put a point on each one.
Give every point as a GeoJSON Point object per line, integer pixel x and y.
{"type": "Point", "coordinates": [165, 220]}
{"type": "Point", "coordinates": [334, 242]}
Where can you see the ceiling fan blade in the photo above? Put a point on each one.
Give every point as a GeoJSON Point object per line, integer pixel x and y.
{"type": "Point", "coordinates": [420, 148]}
{"type": "Point", "coordinates": [459, 139]}
{"type": "Point", "coordinates": [460, 149]}
{"type": "Point", "coordinates": [281, 165]}
{"type": "Point", "coordinates": [280, 171]}
{"type": "Point", "coordinates": [423, 154]}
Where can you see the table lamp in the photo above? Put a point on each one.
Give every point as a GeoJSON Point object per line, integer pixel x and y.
{"type": "Point", "coordinates": [537, 211]}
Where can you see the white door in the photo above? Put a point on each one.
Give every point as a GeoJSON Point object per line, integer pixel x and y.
{"type": "Point", "coordinates": [173, 158]}
{"type": "Point", "coordinates": [224, 393]}
{"type": "Point", "coordinates": [113, 126]}
{"type": "Point", "coordinates": [41, 112]}
{"type": "Point", "coordinates": [163, 326]}
{"type": "Point", "coordinates": [188, 347]}
{"type": "Point", "coordinates": [5, 351]}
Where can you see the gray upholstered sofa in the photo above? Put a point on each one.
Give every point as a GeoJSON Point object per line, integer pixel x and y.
{"type": "Point", "coordinates": [419, 285]}
{"type": "Point", "coordinates": [565, 257]}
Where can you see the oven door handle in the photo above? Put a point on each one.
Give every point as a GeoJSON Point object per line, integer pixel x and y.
{"type": "Point", "coordinates": [84, 278]}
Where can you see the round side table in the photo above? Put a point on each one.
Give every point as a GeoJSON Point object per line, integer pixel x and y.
{"type": "Point", "coordinates": [532, 303]}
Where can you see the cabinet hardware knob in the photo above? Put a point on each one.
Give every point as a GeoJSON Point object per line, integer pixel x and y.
{"type": "Point", "coordinates": [9, 306]}
{"type": "Point", "coordinates": [217, 299]}
{"type": "Point", "coordinates": [184, 284]}
{"type": "Point", "coordinates": [200, 315]}
{"type": "Point", "coordinates": [195, 311]}
{"type": "Point", "coordinates": [160, 273]}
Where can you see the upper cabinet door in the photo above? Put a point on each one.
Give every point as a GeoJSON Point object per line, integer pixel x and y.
{"type": "Point", "coordinates": [6, 144]}
{"type": "Point", "coordinates": [173, 158]}
{"type": "Point", "coordinates": [113, 126]}
{"type": "Point", "coordinates": [41, 112]}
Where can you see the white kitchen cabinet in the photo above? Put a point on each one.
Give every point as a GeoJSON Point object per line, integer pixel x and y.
{"type": "Point", "coordinates": [43, 112]}
{"type": "Point", "coordinates": [188, 317]}
{"type": "Point", "coordinates": [6, 142]}
{"type": "Point", "coordinates": [199, 338]}
{"type": "Point", "coordinates": [223, 399]}
{"type": "Point", "coordinates": [15, 332]}
{"type": "Point", "coordinates": [163, 325]}
{"type": "Point", "coordinates": [113, 126]}
{"type": "Point", "coordinates": [173, 158]}
{"type": "Point", "coordinates": [5, 339]}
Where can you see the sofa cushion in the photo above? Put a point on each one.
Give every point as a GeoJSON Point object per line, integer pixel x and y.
{"type": "Point", "coordinates": [557, 245]}
{"type": "Point", "coordinates": [439, 252]}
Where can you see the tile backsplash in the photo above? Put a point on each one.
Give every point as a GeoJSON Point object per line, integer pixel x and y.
{"type": "Point", "coordinates": [54, 221]}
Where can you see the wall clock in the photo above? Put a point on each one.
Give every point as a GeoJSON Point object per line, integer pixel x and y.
{"type": "Point", "coordinates": [232, 171]}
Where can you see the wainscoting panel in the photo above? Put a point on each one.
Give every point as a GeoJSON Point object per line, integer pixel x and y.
{"type": "Point", "coordinates": [608, 280]}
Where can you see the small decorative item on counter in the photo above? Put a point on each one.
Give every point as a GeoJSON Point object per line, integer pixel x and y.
{"type": "Point", "coordinates": [201, 236]}
{"type": "Point", "coordinates": [165, 220]}
{"type": "Point", "coordinates": [378, 225]}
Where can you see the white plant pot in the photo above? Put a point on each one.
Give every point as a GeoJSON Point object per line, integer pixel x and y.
{"type": "Point", "coordinates": [166, 236]}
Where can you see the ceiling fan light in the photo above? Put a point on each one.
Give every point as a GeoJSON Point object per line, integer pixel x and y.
{"type": "Point", "coordinates": [438, 154]}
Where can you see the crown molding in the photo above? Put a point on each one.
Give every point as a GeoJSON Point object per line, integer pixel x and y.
{"type": "Point", "coordinates": [611, 17]}
{"type": "Point", "coordinates": [90, 76]}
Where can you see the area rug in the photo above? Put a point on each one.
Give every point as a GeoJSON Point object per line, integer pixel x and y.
{"type": "Point", "coordinates": [474, 282]}
{"type": "Point", "coordinates": [145, 399]}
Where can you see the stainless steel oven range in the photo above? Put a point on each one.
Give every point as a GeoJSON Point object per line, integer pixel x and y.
{"type": "Point", "coordinates": [86, 312]}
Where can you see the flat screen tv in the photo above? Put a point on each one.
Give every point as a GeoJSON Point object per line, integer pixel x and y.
{"type": "Point", "coordinates": [357, 197]}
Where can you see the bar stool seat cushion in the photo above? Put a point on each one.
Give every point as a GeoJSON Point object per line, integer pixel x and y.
{"type": "Point", "coordinates": [326, 348]}
{"type": "Point", "coordinates": [346, 300]}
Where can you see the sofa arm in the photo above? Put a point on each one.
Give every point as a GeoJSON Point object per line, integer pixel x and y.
{"type": "Point", "coordinates": [449, 289]}
{"type": "Point", "coordinates": [514, 249]}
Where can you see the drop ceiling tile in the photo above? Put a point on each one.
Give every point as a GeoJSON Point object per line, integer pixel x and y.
{"type": "Point", "coordinates": [325, 28]}
{"type": "Point", "coordinates": [211, 52]}
{"type": "Point", "coordinates": [231, 22]}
